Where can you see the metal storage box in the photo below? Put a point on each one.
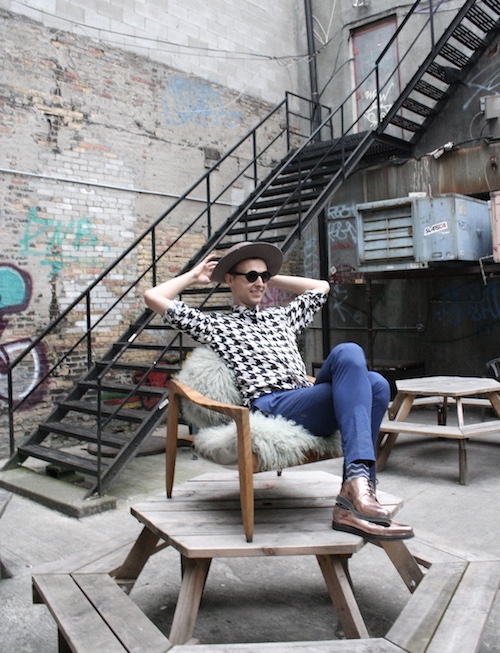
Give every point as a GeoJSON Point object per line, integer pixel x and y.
{"type": "Point", "coordinates": [413, 232]}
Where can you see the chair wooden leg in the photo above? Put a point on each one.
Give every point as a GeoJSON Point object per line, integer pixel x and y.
{"type": "Point", "coordinates": [245, 469]}
{"type": "Point", "coordinates": [171, 441]}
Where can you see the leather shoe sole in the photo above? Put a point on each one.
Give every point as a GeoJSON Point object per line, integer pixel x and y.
{"type": "Point", "coordinates": [344, 520]}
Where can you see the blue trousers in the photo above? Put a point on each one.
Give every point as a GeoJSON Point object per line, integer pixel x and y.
{"type": "Point", "coordinates": [346, 396]}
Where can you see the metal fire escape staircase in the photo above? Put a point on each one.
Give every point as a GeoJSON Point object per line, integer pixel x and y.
{"type": "Point", "coordinates": [120, 393]}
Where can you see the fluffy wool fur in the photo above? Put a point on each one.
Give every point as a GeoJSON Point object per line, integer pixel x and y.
{"type": "Point", "coordinates": [277, 442]}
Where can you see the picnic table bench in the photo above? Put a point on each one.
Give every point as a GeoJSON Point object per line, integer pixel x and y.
{"type": "Point", "coordinates": [446, 612]}
{"type": "Point", "coordinates": [94, 614]}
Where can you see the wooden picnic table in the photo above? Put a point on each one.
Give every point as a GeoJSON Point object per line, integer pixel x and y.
{"type": "Point", "coordinates": [442, 391]}
{"type": "Point", "coordinates": [293, 517]}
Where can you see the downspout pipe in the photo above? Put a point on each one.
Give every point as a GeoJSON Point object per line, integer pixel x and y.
{"type": "Point", "coordinates": [313, 72]}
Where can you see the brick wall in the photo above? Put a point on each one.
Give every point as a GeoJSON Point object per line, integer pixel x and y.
{"type": "Point", "coordinates": [95, 144]}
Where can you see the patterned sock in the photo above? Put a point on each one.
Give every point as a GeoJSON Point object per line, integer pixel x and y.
{"type": "Point", "coordinates": [357, 469]}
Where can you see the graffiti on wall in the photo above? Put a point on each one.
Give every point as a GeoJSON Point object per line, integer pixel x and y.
{"type": "Point", "coordinates": [485, 82]}
{"type": "Point", "coordinates": [56, 241]}
{"type": "Point", "coordinates": [342, 242]}
{"type": "Point", "coordinates": [15, 296]}
{"type": "Point", "coordinates": [197, 102]}
{"type": "Point", "coordinates": [342, 261]}
{"type": "Point", "coordinates": [474, 303]}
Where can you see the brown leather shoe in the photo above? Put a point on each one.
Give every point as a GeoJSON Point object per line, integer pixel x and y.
{"type": "Point", "coordinates": [358, 496]}
{"type": "Point", "coordinates": [344, 520]}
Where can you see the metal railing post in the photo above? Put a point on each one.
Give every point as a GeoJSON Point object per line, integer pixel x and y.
{"type": "Point", "coordinates": [89, 330]}
{"type": "Point", "coordinates": [209, 209]}
{"type": "Point", "coordinates": [287, 122]}
{"type": "Point", "coordinates": [431, 18]}
{"type": "Point", "coordinates": [377, 90]}
{"type": "Point", "coordinates": [254, 152]}
{"type": "Point", "coordinates": [153, 257]}
{"type": "Point", "coordinates": [10, 394]}
{"type": "Point", "coordinates": [99, 435]}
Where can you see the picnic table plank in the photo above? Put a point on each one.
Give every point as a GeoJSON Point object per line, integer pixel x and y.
{"type": "Point", "coordinates": [228, 545]}
{"type": "Point", "coordinates": [463, 623]}
{"type": "Point", "coordinates": [77, 620]}
{"type": "Point", "coordinates": [136, 632]}
{"type": "Point", "coordinates": [419, 619]}
{"type": "Point", "coordinates": [375, 645]}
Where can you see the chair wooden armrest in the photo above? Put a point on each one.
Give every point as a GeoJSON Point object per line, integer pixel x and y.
{"type": "Point", "coordinates": [241, 416]}
{"type": "Point", "coordinates": [200, 399]}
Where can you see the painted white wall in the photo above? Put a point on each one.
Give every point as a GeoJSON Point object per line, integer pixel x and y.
{"type": "Point", "coordinates": [250, 46]}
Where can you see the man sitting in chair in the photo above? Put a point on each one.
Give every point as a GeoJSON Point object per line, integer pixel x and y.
{"type": "Point", "coordinates": [260, 347]}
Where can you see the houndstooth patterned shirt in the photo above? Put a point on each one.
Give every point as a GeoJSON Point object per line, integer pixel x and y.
{"type": "Point", "coordinates": [259, 346]}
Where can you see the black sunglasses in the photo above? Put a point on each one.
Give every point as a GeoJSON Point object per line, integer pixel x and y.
{"type": "Point", "coordinates": [252, 276]}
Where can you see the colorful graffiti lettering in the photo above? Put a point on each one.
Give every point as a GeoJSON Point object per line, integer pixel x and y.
{"type": "Point", "coordinates": [198, 102]}
{"type": "Point", "coordinates": [15, 296]}
{"type": "Point", "coordinates": [46, 238]}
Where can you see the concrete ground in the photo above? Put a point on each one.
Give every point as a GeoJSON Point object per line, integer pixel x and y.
{"type": "Point", "coordinates": [258, 599]}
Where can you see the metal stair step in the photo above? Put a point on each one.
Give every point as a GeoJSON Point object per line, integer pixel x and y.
{"type": "Point", "coordinates": [80, 433]}
{"type": "Point", "coordinates": [429, 90]}
{"type": "Point", "coordinates": [283, 212]}
{"type": "Point", "coordinates": [63, 458]}
{"type": "Point", "coordinates": [404, 123]}
{"type": "Point", "coordinates": [441, 73]}
{"type": "Point", "coordinates": [123, 388]}
{"type": "Point", "coordinates": [417, 107]}
{"type": "Point", "coordinates": [481, 18]}
{"type": "Point", "coordinates": [493, 4]}
{"type": "Point", "coordinates": [255, 228]}
{"type": "Point", "coordinates": [466, 37]}
{"type": "Point", "coordinates": [146, 346]}
{"type": "Point", "coordinates": [298, 200]}
{"type": "Point", "coordinates": [306, 190]}
{"type": "Point", "coordinates": [124, 414]}
{"type": "Point", "coordinates": [136, 366]}
{"type": "Point", "coordinates": [454, 55]}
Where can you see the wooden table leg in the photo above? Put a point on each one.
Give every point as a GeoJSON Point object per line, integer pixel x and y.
{"type": "Point", "coordinates": [494, 398]}
{"type": "Point", "coordinates": [128, 572]}
{"type": "Point", "coordinates": [342, 597]}
{"type": "Point", "coordinates": [384, 448]}
{"type": "Point", "coordinates": [404, 562]}
{"type": "Point", "coordinates": [398, 411]}
{"type": "Point", "coordinates": [193, 582]}
{"type": "Point", "coordinates": [463, 471]}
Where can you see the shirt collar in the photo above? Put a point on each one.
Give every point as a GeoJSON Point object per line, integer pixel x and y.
{"type": "Point", "coordinates": [245, 311]}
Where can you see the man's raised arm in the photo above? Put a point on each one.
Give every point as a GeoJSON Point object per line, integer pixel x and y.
{"type": "Point", "coordinates": [298, 285]}
{"type": "Point", "coordinates": [161, 296]}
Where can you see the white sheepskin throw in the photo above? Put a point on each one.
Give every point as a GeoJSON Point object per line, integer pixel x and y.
{"type": "Point", "coordinates": [206, 372]}
{"type": "Point", "coordinates": [277, 442]}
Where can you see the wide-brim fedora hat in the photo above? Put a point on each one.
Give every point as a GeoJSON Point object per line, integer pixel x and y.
{"type": "Point", "coordinates": [269, 253]}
